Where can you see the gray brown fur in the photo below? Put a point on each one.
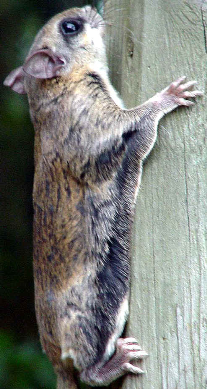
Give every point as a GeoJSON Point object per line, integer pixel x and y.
{"type": "Point", "coordinates": [88, 164]}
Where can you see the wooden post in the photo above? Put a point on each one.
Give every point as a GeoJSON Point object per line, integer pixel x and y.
{"type": "Point", "coordinates": [150, 44]}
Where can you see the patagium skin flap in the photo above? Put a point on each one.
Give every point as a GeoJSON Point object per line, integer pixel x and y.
{"type": "Point", "coordinates": [88, 163]}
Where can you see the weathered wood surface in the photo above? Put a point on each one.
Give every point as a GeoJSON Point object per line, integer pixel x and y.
{"type": "Point", "coordinates": [151, 43]}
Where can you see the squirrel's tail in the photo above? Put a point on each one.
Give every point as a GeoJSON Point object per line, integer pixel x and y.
{"type": "Point", "coordinates": [66, 380]}
{"type": "Point", "coordinates": [67, 377]}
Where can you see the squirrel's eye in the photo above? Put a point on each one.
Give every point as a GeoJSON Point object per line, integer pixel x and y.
{"type": "Point", "coordinates": [71, 27]}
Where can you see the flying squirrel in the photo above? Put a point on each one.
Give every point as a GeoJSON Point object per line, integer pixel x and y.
{"type": "Point", "coordinates": [88, 164]}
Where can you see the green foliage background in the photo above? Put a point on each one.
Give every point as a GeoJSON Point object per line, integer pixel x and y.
{"type": "Point", "coordinates": [22, 363]}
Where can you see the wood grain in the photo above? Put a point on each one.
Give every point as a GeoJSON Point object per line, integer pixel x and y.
{"type": "Point", "coordinates": [150, 44]}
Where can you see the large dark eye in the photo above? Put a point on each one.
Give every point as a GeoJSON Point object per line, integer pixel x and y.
{"type": "Point", "coordinates": [71, 27]}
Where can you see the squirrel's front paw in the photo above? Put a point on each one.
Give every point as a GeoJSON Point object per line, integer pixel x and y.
{"type": "Point", "coordinates": [175, 95]}
{"type": "Point", "coordinates": [181, 91]}
{"type": "Point", "coordinates": [178, 92]}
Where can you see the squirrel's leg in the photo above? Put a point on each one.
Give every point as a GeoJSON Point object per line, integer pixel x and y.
{"type": "Point", "coordinates": [144, 118]}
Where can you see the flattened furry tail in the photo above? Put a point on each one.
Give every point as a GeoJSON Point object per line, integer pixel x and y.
{"type": "Point", "coordinates": [66, 380]}
{"type": "Point", "coordinates": [67, 377]}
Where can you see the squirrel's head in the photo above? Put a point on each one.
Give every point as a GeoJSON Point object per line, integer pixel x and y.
{"type": "Point", "coordinates": [71, 38]}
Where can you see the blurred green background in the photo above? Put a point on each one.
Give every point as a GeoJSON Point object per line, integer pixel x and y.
{"type": "Point", "coordinates": [22, 363]}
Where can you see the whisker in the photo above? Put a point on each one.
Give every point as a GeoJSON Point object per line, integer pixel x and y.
{"type": "Point", "coordinates": [109, 11]}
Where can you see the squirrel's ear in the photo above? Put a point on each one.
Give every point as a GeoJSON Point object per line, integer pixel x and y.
{"type": "Point", "coordinates": [43, 64]}
{"type": "Point", "coordinates": [15, 80]}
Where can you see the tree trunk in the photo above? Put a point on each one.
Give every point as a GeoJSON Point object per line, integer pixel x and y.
{"type": "Point", "coordinates": [150, 44]}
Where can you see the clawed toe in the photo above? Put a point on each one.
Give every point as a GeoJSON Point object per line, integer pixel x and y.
{"type": "Point", "coordinates": [187, 85]}
{"type": "Point", "coordinates": [131, 346]}
{"type": "Point", "coordinates": [128, 367]}
{"type": "Point", "coordinates": [127, 341]}
{"type": "Point", "coordinates": [179, 81]}
{"type": "Point", "coordinates": [186, 103]}
{"type": "Point", "coordinates": [188, 94]}
{"type": "Point", "coordinates": [137, 355]}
